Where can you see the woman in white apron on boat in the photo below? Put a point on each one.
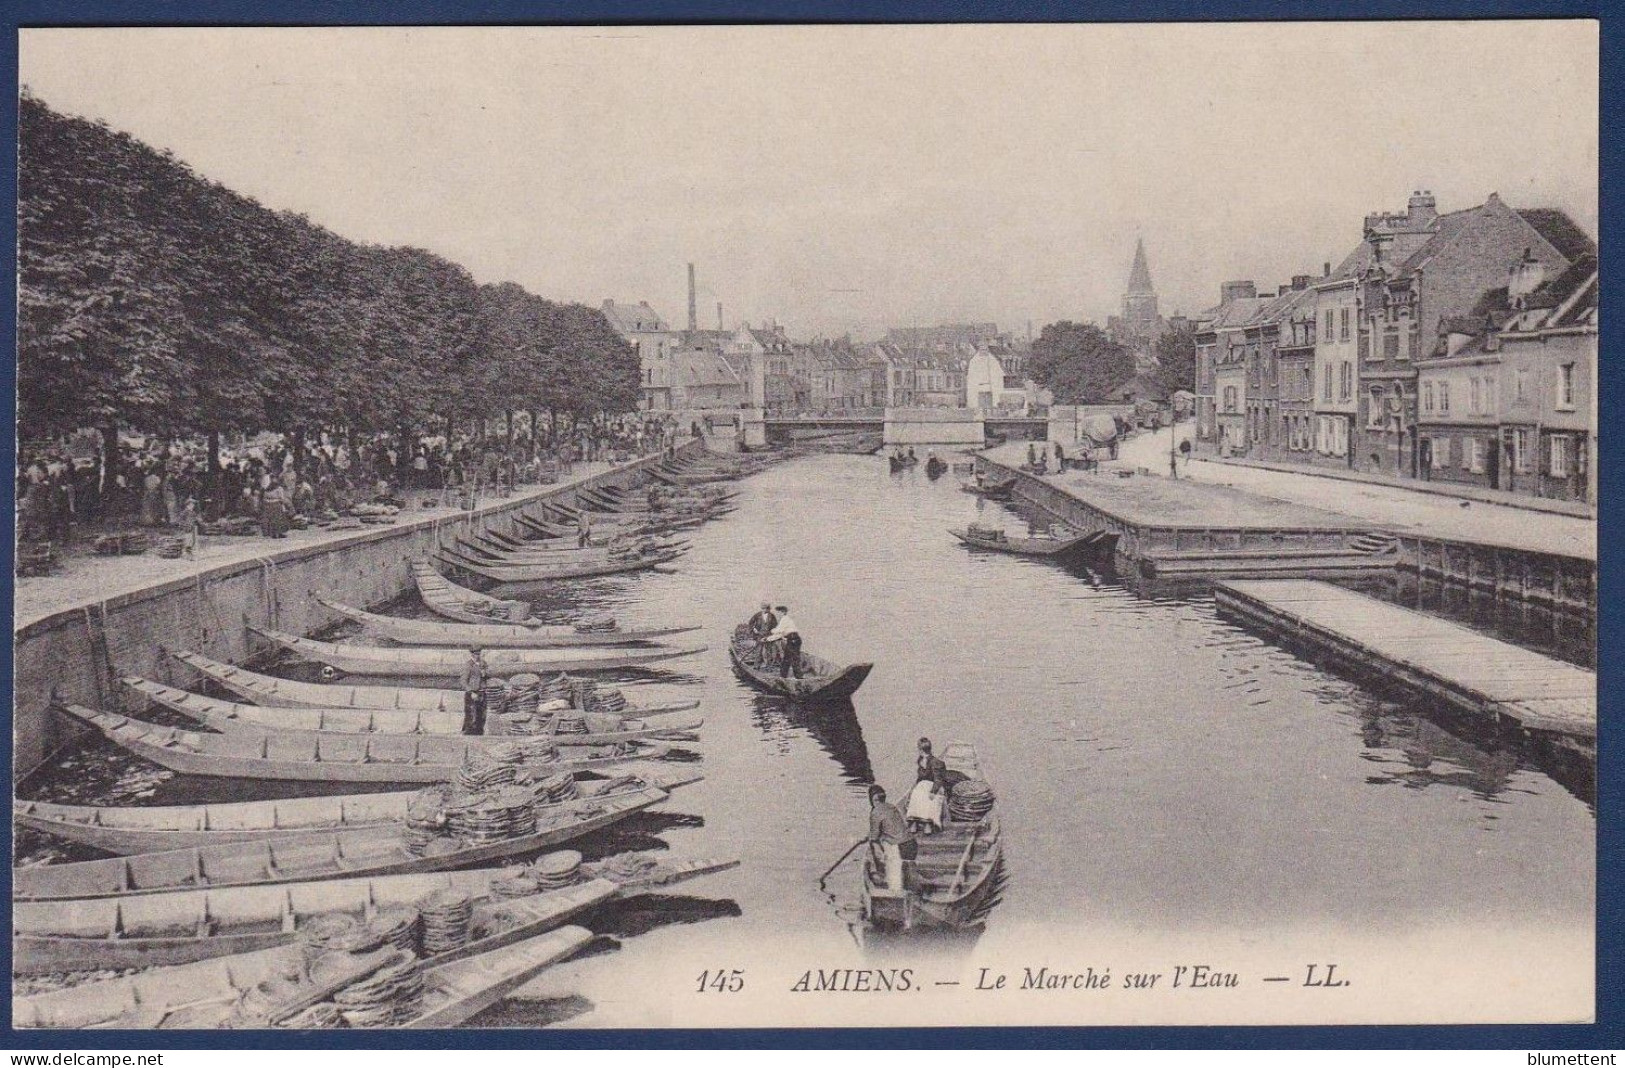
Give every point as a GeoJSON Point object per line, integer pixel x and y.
{"type": "Point", "coordinates": [930, 794]}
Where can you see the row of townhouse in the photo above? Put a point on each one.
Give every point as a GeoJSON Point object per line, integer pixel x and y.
{"type": "Point", "coordinates": [685, 370]}
{"type": "Point", "coordinates": [1457, 347]}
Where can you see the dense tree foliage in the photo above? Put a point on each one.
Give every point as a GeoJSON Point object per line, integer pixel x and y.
{"type": "Point", "coordinates": [153, 299]}
{"type": "Point", "coordinates": [1176, 355]}
{"type": "Point", "coordinates": [1078, 362]}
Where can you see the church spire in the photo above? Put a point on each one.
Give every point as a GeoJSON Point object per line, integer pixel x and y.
{"type": "Point", "coordinates": [1139, 276]}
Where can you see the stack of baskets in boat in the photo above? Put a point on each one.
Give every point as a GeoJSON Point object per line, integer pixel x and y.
{"type": "Point", "coordinates": [989, 533]}
{"type": "Point", "coordinates": [624, 867]}
{"type": "Point", "coordinates": [494, 816]}
{"type": "Point", "coordinates": [607, 701]}
{"type": "Point", "coordinates": [519, 882]}
{"type": "Point", "coordinates": [568, 722]}
{"type": "Point", "coordinates": [446, 916]}
{"type": "Point", "coordinates": [557, 788]}
{"type": "Point", "coordinates": [257, 1003]}
{"type": "Point", "coordinates": [559, 869]}
{"type": "Point", "coordinates": [425, 818]}
{"type": "Point", "coordinates": [399, 926]}
{"type": "Point", "coordinates": [595, 625]}
{"type": "Point", "coordinates": [391, 995]}
{"type": "Point", "coordinates": [335, 931]}
{"type": "Point", "coordinates": [497, 765]}
{"type": "Point", "coordinates": [496, 695]}
{"type": "Point", "coordinates": [524, 694]}
{"type": "Point", "coordinates": [969, 801]}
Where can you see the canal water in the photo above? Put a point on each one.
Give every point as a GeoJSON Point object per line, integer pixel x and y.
{"type": "Point", "coordinates": [1157, 768]}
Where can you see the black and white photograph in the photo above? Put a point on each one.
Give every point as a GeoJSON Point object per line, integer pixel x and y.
{"type": "Point", "coordinates": [767, 526]}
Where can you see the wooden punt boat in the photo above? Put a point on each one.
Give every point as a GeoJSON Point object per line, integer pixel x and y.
{"type": "Point", "coordinates": [204, 994]}
{"type": "Point", "coordinates": [993, 489]}
{"type": "Point", "coordinates": [935, 468]}
{"type": "Point", "coordinates": [681, 476]}
{"type": "Point", "coordinates": [440, 663]}
{"type": "Point", "coordinates": [949, 881]}
{"type": "Point", "coordinates": [308, 857]}
{"type": "Point", "coordinates": [230, 717]}
{"type": "Point", "coordinates": [163, 929]}
{"type": "Point", "coordinates": [444, 597]}
{"type": "Point", "coordinates": [565, 526]}
{"type": "Point", "coordinates": [128, 829]}
{"type": "Point", "coordinates": [496, 635]}
{"type": "Point", "coordinates": [998, 541]}
{"type": "Point", "coordinates": [311, 757]}
{"type": "Point", "coordinates": [821, 680]}
{"type": "Point", "coordinates": [510, 573]}
{"type": "Point", "coordinates": [695, 500]}
{"type": "Point", "coordinates": [291, 693]}
{"type": "Point", "coordinates": [191, 925]}
{"type": "Point", "coordinates": [606, 533]}
{"type": "Point", "coordinates": [562, 554]}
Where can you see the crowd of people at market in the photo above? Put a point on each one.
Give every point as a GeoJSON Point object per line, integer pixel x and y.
{"type": "Point", "coordinates": [65, 490]}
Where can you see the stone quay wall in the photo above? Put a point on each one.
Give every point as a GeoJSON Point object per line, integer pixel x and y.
{"type": "Point", "coordinates": [79, 653]}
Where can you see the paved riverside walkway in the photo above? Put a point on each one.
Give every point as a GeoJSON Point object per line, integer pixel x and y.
{"type": "Point", "coordinates": [89, 579]}
{"type": "Point", "coordinates": [1162, 502]}
{"type": "Point", "coordinates": [1471, 670]}
{"type": "Point", "coordinates": [1402, 510]}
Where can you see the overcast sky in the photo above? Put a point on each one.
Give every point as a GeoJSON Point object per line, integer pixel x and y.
{"type": "Point", "coordinates": [850, 178]}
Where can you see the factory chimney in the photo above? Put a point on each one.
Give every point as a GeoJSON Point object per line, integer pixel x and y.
{"type": "Point", "coordinates": [693, 314]}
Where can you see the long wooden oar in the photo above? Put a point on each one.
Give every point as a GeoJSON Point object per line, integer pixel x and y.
{"type": "Point", "coordinates": [838, 863]}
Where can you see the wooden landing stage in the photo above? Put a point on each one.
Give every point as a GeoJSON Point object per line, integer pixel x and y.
{"type": "Point", "coordinates": [1472, 671]}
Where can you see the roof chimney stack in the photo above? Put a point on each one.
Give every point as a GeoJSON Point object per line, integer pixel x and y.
{"type": "Point", "coordinates": [1421, 210]}
{"type": "Point", "coordinates": [693, 311]}
{"type": "Point", "coordinates": [1237, 291]}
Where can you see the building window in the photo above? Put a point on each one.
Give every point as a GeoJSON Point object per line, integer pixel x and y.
{"type": "Point", "coordinates": [1343, 325]}
{"type": "Point", "coordinates": [1565, 391]}
{"type": "Point", "coordinates": [1474, 397]}
{"type": "Point", "coordinates": [1346, 385]}
{"type": "Point", "coordinates": [1229, 398]}
{"type": "Point", "coordinates": [1427, 396]}
{"type": "Point", "coordinates": [1441, 452]}
{"type": "Point", "coordinates": [1326, 383]}
{"type": "Point", "coordinates": [1558, 462]}
{"type": "Point", "coordinates": [1520, 386]}
{"type": "Point", "coordinates": [1472, 455]}
{"type": "Point", "coordinates": [1444, 397]}
{"type": "Point", "coordinates": [1329, 327]}
{"type": "Point", "coordinates": [1520, 451]}
{"type": "Point", "coordinates": [1390, 346]}
{"type": "Point", "coordinates": [1373, 410]}
{"type": "Point", "coordinates": [1489, 395]}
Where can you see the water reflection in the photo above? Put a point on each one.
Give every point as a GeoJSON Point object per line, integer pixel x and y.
{"type": "Point", "coordinates": [1564, 633]}
{"type": "Point", "coordinates": [833, 725]}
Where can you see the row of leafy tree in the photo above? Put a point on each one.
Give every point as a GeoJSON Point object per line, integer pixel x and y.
{"type": "Point", "coordinates": [154, 300]}
{"type": "Point", "coordinates": [1081, 364]}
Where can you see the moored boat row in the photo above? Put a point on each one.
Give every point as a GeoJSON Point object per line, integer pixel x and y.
{"type": "Point", "coordinates": [222, 906]}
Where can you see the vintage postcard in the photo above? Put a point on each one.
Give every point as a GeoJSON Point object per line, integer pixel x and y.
{"type": "Point", "coordinates": [763, 526]}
